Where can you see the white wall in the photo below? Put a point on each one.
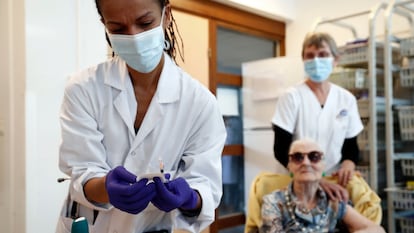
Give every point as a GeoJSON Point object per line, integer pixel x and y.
{"type": "Point", "coordinates": [300, 15]}
{"type": "Point", "coordinates": [307, 13]}
{"type": "Point", "coordinates": [196, 45]}
{"type": "Point", "coordinates": [276, 9]}
{"type": "Point", "coordinates": [61, 38]}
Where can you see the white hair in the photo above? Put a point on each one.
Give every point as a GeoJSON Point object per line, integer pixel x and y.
{"type": "Point", "coordinates": [304, 142]}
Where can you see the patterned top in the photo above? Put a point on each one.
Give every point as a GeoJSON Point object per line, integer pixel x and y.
{"type": "Point", "coordinates": [281, 214]}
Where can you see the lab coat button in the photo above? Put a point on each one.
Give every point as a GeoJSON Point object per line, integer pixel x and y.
{"type": "Point", "coordinates": [133, 153]}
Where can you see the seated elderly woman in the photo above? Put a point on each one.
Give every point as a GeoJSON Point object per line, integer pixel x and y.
{"type": "Point", "coordinates": [303, 206]}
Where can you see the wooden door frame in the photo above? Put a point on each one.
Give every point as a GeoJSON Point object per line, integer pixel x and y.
{"type": "Point", "coordinates": [220, 15]}
{"type": "Point", "coordinates": [229, 17]}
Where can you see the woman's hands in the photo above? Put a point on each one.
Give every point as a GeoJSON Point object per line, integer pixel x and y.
{"type": "Point", "coordinates": [125, 193]}
{"type": "Point", "coordinates": [175, 194]}
{"type": "Point", "coordinates": [345, 173]}
{"type": "Point", "coordinates": [335, 191]}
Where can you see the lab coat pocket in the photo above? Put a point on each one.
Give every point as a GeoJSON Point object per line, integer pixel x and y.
{"type": "Point", "coordinates": [65, 220]}
{"type": "Point", "coordinates": [64, 225]}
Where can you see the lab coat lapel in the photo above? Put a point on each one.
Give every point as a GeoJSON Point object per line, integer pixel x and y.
{"type": "Point", "coordinates": [151, 119]}
{"type": "Point", "coordinates": [121, 105]}
{"type": "Point", "coordinates": [123, 102]}
{"type": "Point", "coordinates": [168, 91]}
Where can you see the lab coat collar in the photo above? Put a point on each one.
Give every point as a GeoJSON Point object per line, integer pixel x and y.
{"type": "Point", "coordinates": [116, 74]}
{"type": "Point", "coordinates": [168, 90]}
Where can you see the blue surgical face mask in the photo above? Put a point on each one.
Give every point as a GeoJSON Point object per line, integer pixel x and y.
{"type": "Point", "coordinates": [141, 51]}
{"type": "Point", "coordinates": [319, 69]}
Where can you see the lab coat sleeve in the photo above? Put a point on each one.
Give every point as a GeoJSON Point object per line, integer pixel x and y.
{"type": "Point", "coordinates": [202, 165]}
{"type": "Point", "coordinates": [82, 155]}
{"type": "Point", "coordinates": [286, 111]}
{"type": "Point", "coordinates": [355, 123]}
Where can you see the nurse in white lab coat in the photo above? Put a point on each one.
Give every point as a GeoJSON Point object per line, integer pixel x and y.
{"type": "Point", "coordinates": [119, 119]}
{"type": "Point", "coordinates": [320, 110]}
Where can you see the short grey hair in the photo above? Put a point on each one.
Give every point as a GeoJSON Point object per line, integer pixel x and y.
{"type": "Point", "coordinates": [316, 39]}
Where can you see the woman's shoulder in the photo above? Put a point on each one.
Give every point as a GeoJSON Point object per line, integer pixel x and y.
{"type": "Point", "coordinates": [176, 84]}
{"type": "Point", "coordinates": [275, 196]}
{"type": "Point", "coordinates": [93, 77]}
{"type": "Point", "coordinates": [93, 73]}
{"type": "Point", "coordinates": [296, 89]}
{"type": "Point", "coordinates": [191, 85]}
{"type": "Point", "coordinates": [342, 92]}
{"type": "Point", "coordinates": [293, 95]}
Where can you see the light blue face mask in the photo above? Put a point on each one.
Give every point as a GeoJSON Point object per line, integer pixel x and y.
{"type": "Point", "coordinates": [319, 69]}
{"type": "Point", "coordinates": [141, 51]}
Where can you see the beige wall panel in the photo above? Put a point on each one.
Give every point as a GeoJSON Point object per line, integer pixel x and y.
{"type": "Point", "coordinates": [194, 31]}
{"type": "Point", "coordinates": [12, 116]}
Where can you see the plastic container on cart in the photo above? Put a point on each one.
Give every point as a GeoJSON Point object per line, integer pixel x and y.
{"type": "Point", "coordinates": [350, 78]}
{"type": "Point", "coordinates": [407, 72]}
{"type": "Point", "coordinates": [363, 106]}
{"type": "Point", "coordinates": [407, 76]}
{"type": "Point", "coordinates": [406, 221]}
{"type": "Point", "coordinates": [407, 46]}
{"type": "Point", "coordinates": [364, 171]}
{"type": "Point", "coordinates": [357, 54]}
{"type": "Point", "coordinates": [407, 166]}
{"type": "Point", "coordinates": [363, 137]}
{"type": "Point", "coordinates": [355, 78]}
{"type": "Point", "coordinates": [406, 122]}
{"type": "Point", "coordinates": [403, 198]}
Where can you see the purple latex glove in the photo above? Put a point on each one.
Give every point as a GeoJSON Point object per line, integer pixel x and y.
{"type": "Point", "coordinates": [174, 194]}
{"type": "Point", "coordinates": [125, 193]}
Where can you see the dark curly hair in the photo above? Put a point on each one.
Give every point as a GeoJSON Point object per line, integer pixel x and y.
{"type": "Point", "coordinates": [169, 32]}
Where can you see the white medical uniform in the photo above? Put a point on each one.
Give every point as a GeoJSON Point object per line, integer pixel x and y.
{"type": "Point", "coordinates": [183, 127]}
{"type": "Point", "coordinates": [299, 112]}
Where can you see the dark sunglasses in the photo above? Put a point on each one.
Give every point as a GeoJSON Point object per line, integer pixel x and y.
{"type": "Point", "coordinates": [313, 156]}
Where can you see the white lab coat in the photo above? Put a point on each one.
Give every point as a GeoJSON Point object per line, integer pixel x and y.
{"type": "Point", "coordinates": [299, 112]}
{"type": "Point", "coordinates": [183, 127]}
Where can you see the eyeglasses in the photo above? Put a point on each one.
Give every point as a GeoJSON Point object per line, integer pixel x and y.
{"type": "Point", "coordinates": [313, 156]}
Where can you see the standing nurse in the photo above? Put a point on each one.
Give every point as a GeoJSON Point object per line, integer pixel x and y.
{"type": "Point", "coordinates": [320, 110]}
{"type": "Point", "coordinates": [132, 115]}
